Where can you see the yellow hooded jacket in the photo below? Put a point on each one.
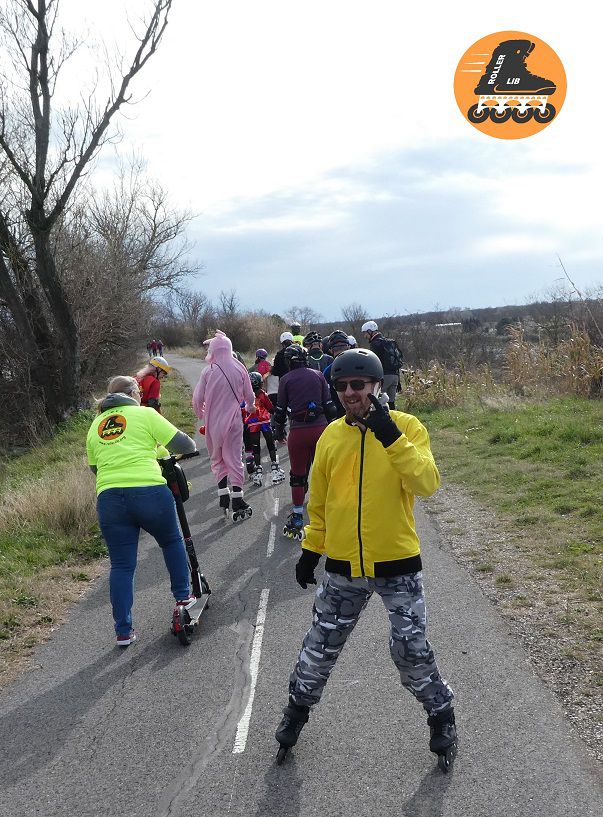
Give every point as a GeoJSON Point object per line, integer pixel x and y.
{"type": "Point", "coordinates": [362, 497]}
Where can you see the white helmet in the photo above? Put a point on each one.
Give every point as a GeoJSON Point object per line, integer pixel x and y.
{"type": "Point", "coordinates": [369, 326]}
{"type": "Point", "coordinates": [352, 340]}
{"type": "Point", "coordinates": [160, 363]}
{"type": "Point", "coordinates": [286, 336]}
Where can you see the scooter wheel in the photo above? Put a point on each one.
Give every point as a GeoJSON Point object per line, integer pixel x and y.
{"type": "Point", "coordinates": [281, 754]}
{"type": "Point", "coordinates": [185, 629]}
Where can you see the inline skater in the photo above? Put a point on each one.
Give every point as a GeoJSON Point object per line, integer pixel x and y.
{"type": "Point", "coordinates": [223, 386]}
{"type": "Point", "coordinates": [368, 468]}
{"type": "Point", "coordinates": [256, 422]}
{"type": "Point", "coordinates": [296, 332]}
{"type": "Point", "coordinates": [279, 367]}
{"type": "Point", "coordinates": [303, 398]}
{"type": "Point", "coordinates": [261, 365]}
{"type": "Point", "coordinates": [317, 359]}
{"type": "Point", "coordinates": [337, 343]}
{"type": "Point", "coordinates": [390, 356]}
{"type": "Point", "coordinates": [149, 381]}
{"type": "Point", "coordinates": [132, 494]}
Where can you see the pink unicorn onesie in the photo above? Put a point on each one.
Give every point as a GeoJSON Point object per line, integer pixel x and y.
{"type": "Point", "coordinates": [223, 387]}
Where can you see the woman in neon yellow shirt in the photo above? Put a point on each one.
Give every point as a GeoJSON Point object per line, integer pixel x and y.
{"type": "Point", "coordinates": [132, 494]}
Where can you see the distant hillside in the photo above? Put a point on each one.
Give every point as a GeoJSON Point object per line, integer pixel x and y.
{"type": "Point", "coordinates": [541, 313]}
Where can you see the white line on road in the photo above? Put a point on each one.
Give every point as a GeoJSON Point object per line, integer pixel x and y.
{"type": "Point", "coordinates": [256, 650]}
{"type": "Point", "coordinates": [276, 506]}
{"type": "Point", "coordinates": [271, 537]}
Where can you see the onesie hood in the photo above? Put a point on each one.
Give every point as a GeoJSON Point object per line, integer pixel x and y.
{"type": "Point", "coordinates": [219, 348]}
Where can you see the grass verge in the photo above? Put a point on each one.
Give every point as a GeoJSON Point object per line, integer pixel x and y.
{"type": "Point", "coordinates": [534, 533]}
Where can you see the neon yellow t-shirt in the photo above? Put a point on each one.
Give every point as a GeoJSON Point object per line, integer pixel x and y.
{"type": "Point", "coordinates": [122, 443]}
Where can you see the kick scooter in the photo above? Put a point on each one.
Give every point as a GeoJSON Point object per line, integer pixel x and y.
{"type": "Point", "coordinates": [184, 621]}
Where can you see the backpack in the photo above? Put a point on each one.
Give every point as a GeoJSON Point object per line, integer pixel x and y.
{"type": "Point", "coordinates": [393, 354]}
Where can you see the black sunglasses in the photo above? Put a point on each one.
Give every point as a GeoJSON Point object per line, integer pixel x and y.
{"type": "Point", "coordinates": [356, 385]}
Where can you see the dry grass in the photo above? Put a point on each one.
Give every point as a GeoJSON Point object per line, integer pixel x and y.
{"type": "Point", "coordinates": [63, 504]}
{"type": "Point", "coordinates": [573, 366]}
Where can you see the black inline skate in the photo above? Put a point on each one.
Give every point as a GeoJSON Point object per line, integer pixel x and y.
{"type": "Point", "coordinates": [296, 716]}
{"type": "Point", "coordinates": [516, 91]}
{"type": "Point", "coordinates": [240, 509]}
{"type": "Point", "coordinates": [294, 526]}
{"type": "Point", "coordinates": [443, 739]}
{"type": "Point", "coordinates": [258, 476]}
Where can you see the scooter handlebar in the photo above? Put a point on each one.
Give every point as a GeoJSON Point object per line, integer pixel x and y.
{"type": "Point", "coordinates": [179, 457]}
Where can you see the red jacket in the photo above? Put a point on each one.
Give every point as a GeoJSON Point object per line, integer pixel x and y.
{"type": "Point", "coordinates": [150, 388]}
{"type": "Point", "coordinates": [261, 416]}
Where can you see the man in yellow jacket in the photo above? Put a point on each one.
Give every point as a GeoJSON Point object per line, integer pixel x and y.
{"type": "Point", "coordinates": [368, 468]}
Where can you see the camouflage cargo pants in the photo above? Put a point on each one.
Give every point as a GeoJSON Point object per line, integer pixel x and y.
{"type": "Point", "coordinates": [337, 607]}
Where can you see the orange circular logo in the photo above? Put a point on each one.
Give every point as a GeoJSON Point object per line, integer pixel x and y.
{"type": "Point", "coordinates": [112, 427]}
{"type": "Point", "coordinates": [510, 85]}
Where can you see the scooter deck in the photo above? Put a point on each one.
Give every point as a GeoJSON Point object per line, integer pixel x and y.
{"type": "Point", "coordinates": [194, 612]}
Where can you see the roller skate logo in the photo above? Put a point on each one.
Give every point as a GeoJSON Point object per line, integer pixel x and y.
{"type": "Point", "coordinates": [113, 427]}
{"type": "Point", "coordinates": [518, 75]}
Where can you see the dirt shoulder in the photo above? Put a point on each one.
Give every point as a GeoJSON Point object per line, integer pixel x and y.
{"type": "Point", "coordinates": [55, 590]}
{"type": "Point", "coordinates": [543, 613]}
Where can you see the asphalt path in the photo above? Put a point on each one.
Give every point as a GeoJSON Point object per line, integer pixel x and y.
{"type": "Point", "coordinates": [158, 730]}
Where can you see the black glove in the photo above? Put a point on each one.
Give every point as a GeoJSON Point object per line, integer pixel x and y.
{"type": "Point", "coordinates": [304, 569]}
{"type": "Point", "coordinates": [381, 424]}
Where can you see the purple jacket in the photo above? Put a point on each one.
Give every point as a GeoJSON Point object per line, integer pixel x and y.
{"type": "Point", "coordinates": [298, 388]}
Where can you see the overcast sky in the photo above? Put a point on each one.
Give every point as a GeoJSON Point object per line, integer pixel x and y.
{"type": "Point", "coordinates": [320, 145]}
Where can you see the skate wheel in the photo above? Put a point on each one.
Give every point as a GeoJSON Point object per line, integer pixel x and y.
{"type": "Point", "coordinates": [445, 760]}
{"type": "Point", "coordinates": [474, 116]}
{"type": "Point", "coordinates": [522, 116]}
{"type": "Point", "coordinates": [549, 113]}
{"type": "Point", "coordinates": [281, 754]}
{"type": "Point", "coordinates": [500, 116]}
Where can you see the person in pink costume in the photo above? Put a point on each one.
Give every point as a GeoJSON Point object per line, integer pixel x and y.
{"type": "Point", "coordinates": [223, 388]}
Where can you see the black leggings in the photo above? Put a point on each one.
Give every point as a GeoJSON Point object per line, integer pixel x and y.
{"type": "Point", "coordinates": [251, 440]}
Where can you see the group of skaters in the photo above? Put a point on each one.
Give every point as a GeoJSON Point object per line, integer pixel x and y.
{"type": "Point", "coordinates": [154, 348]}
{"type": "Point", "coordinates": [333, 403]}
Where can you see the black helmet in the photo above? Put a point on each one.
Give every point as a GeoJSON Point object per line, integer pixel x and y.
{"type": "Point", "coordinates": [295, 327]}
{"type": "Point", "coordinates": [312, 337]}
{"type": "Point", "coordinates": [256, 380]}
{"type": "Point", "coordinates": [338, 336]}
{"type": "Point", "coordinates": [357, 362]}
{"type": "Point", "coordinates": [296, 356]}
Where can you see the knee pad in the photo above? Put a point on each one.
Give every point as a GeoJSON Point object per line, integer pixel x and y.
{"type": "Point", "coordinates": [297, 480]}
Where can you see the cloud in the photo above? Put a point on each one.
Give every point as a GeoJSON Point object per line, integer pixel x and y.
{"type": "Point", "coordinates": [402, 232]}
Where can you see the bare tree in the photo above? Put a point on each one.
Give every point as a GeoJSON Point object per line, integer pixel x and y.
{"type": "Point", "coordinates": [304, 315]}
{"type": "Point", "coordinates": [142, 234]}
{"type": "Point", "coordinates": [48, 152]}
{"type": "Point", "coordinates": [354, 315]}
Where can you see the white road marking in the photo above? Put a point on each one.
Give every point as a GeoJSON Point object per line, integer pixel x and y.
{"type": "Point", "coordinates": [271, 537]}
{"type": "Point", "coordinates": [256, 650]}
{"type": "Point", "coordinates": [276, 506]}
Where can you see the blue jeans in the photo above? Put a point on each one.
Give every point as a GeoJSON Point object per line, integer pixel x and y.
{"type": "Point", "coordinates": [122, 512]}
